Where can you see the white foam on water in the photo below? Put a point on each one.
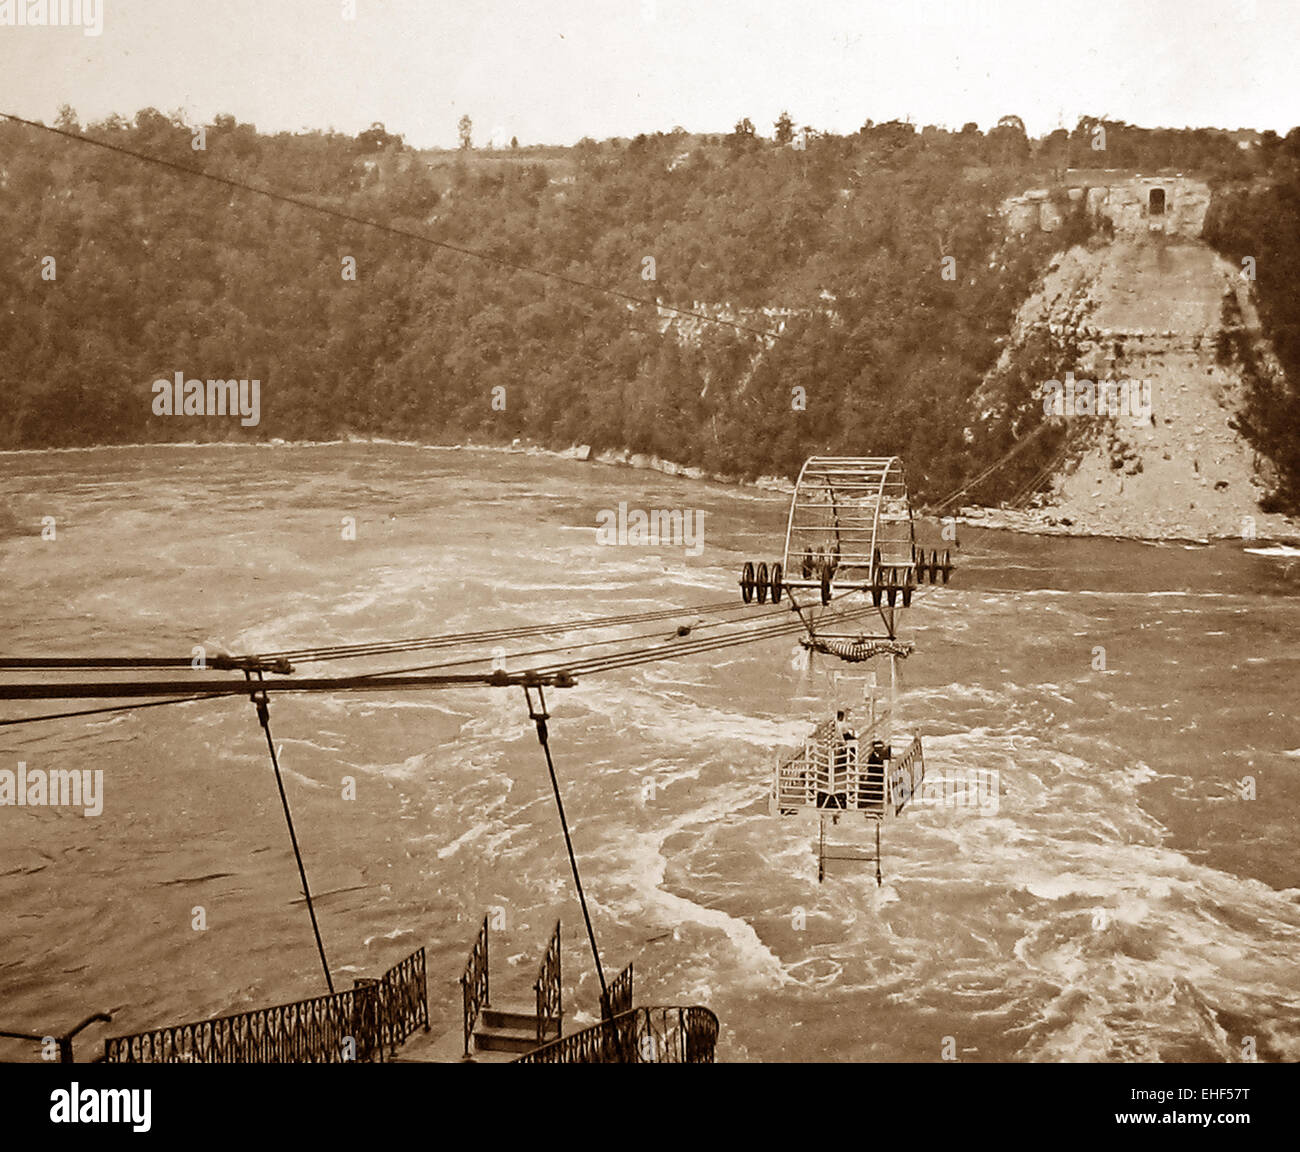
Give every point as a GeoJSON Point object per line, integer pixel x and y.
{"type": "Point", "coordinates": [1165, 919]}
{"type": "Point", "coordinates": [700, 726]}
{"type": "Point", "coordinates": [481, 835]}
{"type": "Point", "coordinates": [1146, 962]}
{"type": "Point", "coordinates": [1128, 917]}
{"type": "Point", "coordinates": [395, 934]}
{"type": "Point", "coordinates": [372, 704]}
{"type": "Point", "coordinates": [985, 921]}
{"type": "Point", "coordinates": [641, 870]}
{"type": "Point", "coordinates": [823, 972]}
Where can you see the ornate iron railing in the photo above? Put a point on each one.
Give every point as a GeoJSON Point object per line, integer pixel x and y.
{"type": "Point", "coordinates": [333, 1029]}
{"type": "Point", "coordinates": [660, 1035]}
{"type": "Point", "coordinates": [549, 1005]}
{"type": "Point", "coordinates": [404, 1000]}
{"type": "Point", "coordinates": [474, 983]}
{"type": "Point", "coordinates": [348, 1026]}
{"type": "Point", "coordinates": [63, 1041]}
{"type": "Point", "coordinates": [620, 994]}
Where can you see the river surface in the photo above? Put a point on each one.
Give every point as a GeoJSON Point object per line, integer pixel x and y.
{"type": "Point", "coordinates": [1124, 899]}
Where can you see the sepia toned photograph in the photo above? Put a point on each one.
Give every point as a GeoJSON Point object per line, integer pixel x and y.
{"type": "Point", "coordinates": [627, 531]}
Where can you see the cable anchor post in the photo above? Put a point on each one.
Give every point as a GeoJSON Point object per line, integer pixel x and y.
{"type": "Point", "coordinates": [260, 700]}
{"type": "Point", "coordinates": [538, 714]}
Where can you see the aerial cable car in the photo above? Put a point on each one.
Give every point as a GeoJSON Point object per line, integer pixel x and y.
{"type": "Point", "coordinates": [850, 535]}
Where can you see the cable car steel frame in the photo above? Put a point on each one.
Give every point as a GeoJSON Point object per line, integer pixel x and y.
{"type": "Point", "coordinates": [849, 529]}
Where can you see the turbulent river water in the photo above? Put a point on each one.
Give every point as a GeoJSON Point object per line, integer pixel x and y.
{"type": "Point", "coordinates": [1124, 899]}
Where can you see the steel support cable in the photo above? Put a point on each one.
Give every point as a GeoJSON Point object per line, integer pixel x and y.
{"type": "Point", "coordinates": [709, 644]}
{"type": "Point", "coordinates": [1050, 467]}
{"type": "Point", "coordinates": [130, 689]}
{"type": "Point", "coordinates": [377, 681]}
{"type": "Point", "coordinates": [448, 640]}
{"type": "Point", "coordinates": [378, 647]}
{"type": "Point", "coordinates": [664, 648]}
{"type": "Point", "coordinates": [633, 660]}
{"type": "Point", "coordinates": [539, 716]}
{"type": "Point", "coordinates": [1024, 493]}
{"type": "Point", "coordinates": [382, 647]}
{"type": "Point", "coordinates": [810, 621]}
{"type": "Point", "coordinates": [445, 640]}
{"type": "Point", "coordinates": [1015, 448]}
{"type": "Point", "coordinates": [451, 640]}
{"type": "Point", "coordinates": [807, 621]}
{"type": "Point", "coordinates": [704, 643]}
{"type": "Point", "coordinates": [558, 674]}
{"type": "Point", "coordinates": [103, 711]}
{"type": "Point", "coordinates": [404, 233]}
{"type": "Point", "coordinates": [471, 660]}
{"type": "Point", "coordinates": [75, 662]}
{"type": "Point", "coordinates": [371, 682]}
{"type": "Point", "coordinates": [259, 699]}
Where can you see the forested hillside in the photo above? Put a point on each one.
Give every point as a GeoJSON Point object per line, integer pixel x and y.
{"type": "Point", "coordinates": [1261, 222]}
{"type": "Point", "coordinates": [885, 338]}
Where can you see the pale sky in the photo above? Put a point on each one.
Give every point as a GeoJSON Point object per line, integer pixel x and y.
{"type": "Point", "coordinates": [555, 71]}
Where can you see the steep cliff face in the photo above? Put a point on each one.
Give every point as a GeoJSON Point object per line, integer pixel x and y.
{"type": "Point", "coordinates": [1172, 205]}
{"type": "Point", "coordinates": [1148, 408]}
{"type": "Point", "coordinates": [1132, 204]}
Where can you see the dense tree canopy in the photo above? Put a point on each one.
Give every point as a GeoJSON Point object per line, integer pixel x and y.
{"type": "Point", "coordinates": [879, 256]}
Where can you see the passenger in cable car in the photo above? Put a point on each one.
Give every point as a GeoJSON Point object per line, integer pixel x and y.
{"type": "Point", "coordinates": [875, 774]}
{"type": "Point", "coordinates": [842, 755]}
{"type": "Point", "coordinates": [842, 726]}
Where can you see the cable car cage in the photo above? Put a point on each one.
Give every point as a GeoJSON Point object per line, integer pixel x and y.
{"type": "Point", "coordinates": [835, 777]}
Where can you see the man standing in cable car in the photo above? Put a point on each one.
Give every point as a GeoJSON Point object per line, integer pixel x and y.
{"type": "Point", "coordinates": [843, 754]}
{"type": "Point", "coordinates": [873, 794]}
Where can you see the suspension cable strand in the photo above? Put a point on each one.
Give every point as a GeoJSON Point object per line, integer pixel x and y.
{"type": "Point", "coordinates": [80, 663]}
{"type": "Point", "coordinates": [680, 634]}
{"type": "Point", "coordinates": [371, 682]}
{"type": "Point", "coordinates": [657, 653]}
{"type": "Point", "coordinates": [470, 661]}
{"type": "Point", "coordinates": [812, 635]}
{"type": "Point", "coordinates": [707, 644]}
{"type": "Point", "coordinates": [558, 673]}
{"type": "Point", "coordinates": [279, 661]}
{"type": "Point", "coordinates": [539, 716]}
{"type": "Point", "coordinates": [259, 698]}
{"type": "Point", "coordinates": [102, 711]}
{"type": "Point", "coordinates": [1058, 457]}
{"type": "Point", "coordinates": [269, 660]}
{"type": "Point", "coordinates": [454, 639]}
{"type": "Point", "coordinates": [1018, 446]}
